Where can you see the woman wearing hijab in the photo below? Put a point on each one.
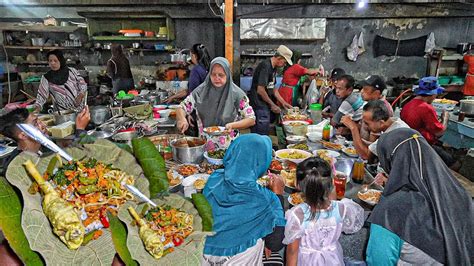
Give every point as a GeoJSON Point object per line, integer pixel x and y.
{"type": "Point", "coordinates": [63, 83]}
{"type": "Point", "coordinates": [244, 212]}
{"type": "Point", "coordinates": [217, 101]}
{"type": "Point", "coordinates": [425, 216]}
{"type": "Point", "coordinates": [118, 69]}
{"type": "Point", "coordinates": [291, 87]}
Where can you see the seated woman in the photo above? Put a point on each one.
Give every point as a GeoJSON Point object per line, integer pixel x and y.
{"type": "Point", "coordinates": [314, 227]}
{"type": "Point", "coordinates": [217, 101]}
{"type": "Point", "coordinates": [245, 213]}
{"type": "Point", "coordinates": [425, 217]}
{"type": "Point", "coordinates": [63, 83]}
{"type": "Point", "coordinates": [291, 87]}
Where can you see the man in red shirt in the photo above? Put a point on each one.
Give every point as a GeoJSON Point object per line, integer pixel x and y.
{"type": "Point", "coordinates": [420, 115]}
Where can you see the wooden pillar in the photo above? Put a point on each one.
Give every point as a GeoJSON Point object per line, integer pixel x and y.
{"type": "Point", "coordinates": [228, 27]}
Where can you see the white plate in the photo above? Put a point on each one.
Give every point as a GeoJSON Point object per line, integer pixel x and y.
{"type": "Point", "coordinates": [305, 153]}
{"type": "Point", "coordinates": [349, 154]}
{"type": "Point", "coordinates": [290, 200]}
{"type": "Point", "coordinates": [174, 106]}
{"type": "Point", "coordinates": [331, 153]}
{"type": "Point", "coordinates": [175, 170]}
{"type": "Point", "coordinates": [221, 131]}
{"type": "Point", "coordinates": [370, 202]}
{"type": "Point", "coordinates": [189, 181]}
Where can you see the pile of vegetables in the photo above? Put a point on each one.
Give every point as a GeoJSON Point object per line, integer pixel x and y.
{"type": "Point", "coordinates": [217, 154]}
{"type": "Point", "coordinates": [152, 163]}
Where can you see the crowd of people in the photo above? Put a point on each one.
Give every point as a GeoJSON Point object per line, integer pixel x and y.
{"type": "Point", "coordinates": [424, 216]}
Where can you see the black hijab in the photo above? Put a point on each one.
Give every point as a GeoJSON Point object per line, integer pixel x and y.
{"type": "Point", "coordinates": [60, 76]}
{"type": "Point", "coordinates": [425, 206]}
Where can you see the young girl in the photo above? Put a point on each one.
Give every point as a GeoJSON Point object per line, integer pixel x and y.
{"type": "Point", "coordinates": [313, 227]}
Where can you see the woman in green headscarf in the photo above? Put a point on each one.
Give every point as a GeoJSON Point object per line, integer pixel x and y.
{"type": "Point", "coordinates": [217, 101]}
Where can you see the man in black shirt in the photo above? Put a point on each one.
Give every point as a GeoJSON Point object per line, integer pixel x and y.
{"type": "Point", "coordinates": [263, 80]}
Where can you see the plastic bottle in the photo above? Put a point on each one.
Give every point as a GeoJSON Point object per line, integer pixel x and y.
{"type": "Point", "coordinates": [327, 132]}
{"type": "Point", "coordinates": [316, 110]}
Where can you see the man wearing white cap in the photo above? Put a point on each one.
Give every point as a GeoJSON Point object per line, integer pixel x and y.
{"type": "Point", "coordinates": [264, 79]}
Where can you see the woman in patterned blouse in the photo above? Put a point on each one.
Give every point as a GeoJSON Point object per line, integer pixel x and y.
{"type": "Point", "coordinates": [63, 83]}
{"type": "Point", "coordinates": [218, 101]}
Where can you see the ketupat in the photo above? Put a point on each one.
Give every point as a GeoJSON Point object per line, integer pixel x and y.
{"type": "Point", "coordinates": [151, 239]}
{"type": "Point", "coordinates": [152, 163]}
{"type": "Point", "coordinates": [205, 211]}
{"type": "Point", "coordinates": [65, 221]}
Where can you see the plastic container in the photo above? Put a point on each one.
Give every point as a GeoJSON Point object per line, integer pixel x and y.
{"type": "Point", "coordinates": [316, 110]}
{"type": "Point", "coordinates": [327, 132]}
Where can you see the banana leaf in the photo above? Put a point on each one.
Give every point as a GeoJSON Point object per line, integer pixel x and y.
{"type": "Point", "coordinates": [152, 163]}
{"type": "Point", "coordinates": [119, 236]}
{"type": "Point", "coordinates": [37, 227]}
{"type": "Point", "coordinates": [10, 221]}
{"type": "Point", "coordinates": [188, 253]}
{"type": "Point", "coordinates": [205, 211]}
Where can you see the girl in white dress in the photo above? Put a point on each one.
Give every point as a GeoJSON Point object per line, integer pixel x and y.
{"type": "Point", "coordinates": [313, 227]}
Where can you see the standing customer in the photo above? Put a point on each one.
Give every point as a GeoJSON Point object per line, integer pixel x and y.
{"type": "Point", "coordinates": [425, 217]}
{"type": "Point", "coordinates": [291, 87]}
{"type": "Point", "coordinates": [63, 83]}
{"type": "Point", "coordinates": [263, 81]}
{"type": "Point", "coordinates": [118, 69]}
{"type": "Point", "coordinates": [469, 82]}
{"type": "Point", "coordinates": [244, 212]}
{"type": "Point", "coordinates": [202, 61]}
{"type": "Point", "coordinates": [420, 115]}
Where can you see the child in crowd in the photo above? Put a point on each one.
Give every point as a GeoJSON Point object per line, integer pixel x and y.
{"type": "Point", "coordinates": [313, 227]}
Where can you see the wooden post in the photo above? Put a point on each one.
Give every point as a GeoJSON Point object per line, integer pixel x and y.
{"type": "Point", "coordinates": [228, 27]}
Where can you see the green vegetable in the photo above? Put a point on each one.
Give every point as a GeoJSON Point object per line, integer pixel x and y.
{"type": "Point", "coordinates": [205, 211]}
{"type": "Point", "coordinates": [124, 146]}
{"type": "Point", "coordinates": [87, 189]}
{"type": "Point", "coordinates": [88, 237]}
{"type": "Point", "coordinates": [119, 237]}
{"type": "Point", "coordinates": [10, 222]}
{"type": "Point", "coordinates": [87, 181]}
{"type": "Point", "coordinates": [152, 163]}
{"type": "Point", "coordinates": [91, 163]}
{"type": "Point", "coordinates": [52, 164]}
{"type": "Point", "coordinates": [60, 178]}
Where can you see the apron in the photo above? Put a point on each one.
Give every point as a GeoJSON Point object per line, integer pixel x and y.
{"type": "Point", "coordinates": [290, 93]}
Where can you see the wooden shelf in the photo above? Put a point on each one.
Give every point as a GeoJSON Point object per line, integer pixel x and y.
{"type": "Point", "coordinates": [36, 28]}
{"type": "Point", "coordinates": [40, 47]}
{"type": "Point", "coordinates": [123, 38]}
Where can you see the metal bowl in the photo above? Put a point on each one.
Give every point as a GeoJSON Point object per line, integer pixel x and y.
{"type": "Point", "coordinates": [186, 154]}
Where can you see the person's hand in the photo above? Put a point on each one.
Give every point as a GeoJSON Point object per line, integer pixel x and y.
{"type": "Point", "coordinates": [169, 99]}
{"type": "Point", "coordinates": [229, 126]}
{"type": "Point", "coordinates": [445, 115]}
{"type": "Point", "coordinates": [268, 253]}
{"type": "Point", "coordinates": [275, 109]}
{"type": "Point", "coordinates": [182, 125]}
{"type": "Point", "coordinates": [380, 179]}
{"type": "Point", "coordinates": [347, 121]}
{"type": "Point", "coordinates": [276, 184]}
{"type": "Point", "coordinates": [287, 105]}
{"type": "Point", "coordinates": [83, 118]}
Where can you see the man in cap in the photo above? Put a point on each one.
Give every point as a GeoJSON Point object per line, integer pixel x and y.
{"type": "Point", "coordinates": [420, 115]}
{"type": "Point", "coordinates": [328, 98]}
{"type": "Point", "coordinates": [263, 82]}
{"type": "Point", "coordinates": [372, 89]}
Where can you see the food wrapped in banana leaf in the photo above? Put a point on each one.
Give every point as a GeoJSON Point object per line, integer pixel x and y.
{"type": "Point", "coordinates": [65, 221]}
{"type": "Point", "coordinates": [152, 240]}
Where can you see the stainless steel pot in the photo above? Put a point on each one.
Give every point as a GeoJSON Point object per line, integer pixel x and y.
{"type": "Point", "coordinates": [37, 41]}
{"type": "Point", "coordinates": [467, 106]}
{"type": "Point", "coordinates": [99, 114]}
{"type": "Point", "coordinates": [153, 99]}
{"type": "Point", "coordinates": [64, 117]}
{"type": "Point", "coordinates": [185, 153]}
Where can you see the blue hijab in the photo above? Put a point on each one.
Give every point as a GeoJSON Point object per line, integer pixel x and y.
{"type": "Point", "coordinates": [243, 211]}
